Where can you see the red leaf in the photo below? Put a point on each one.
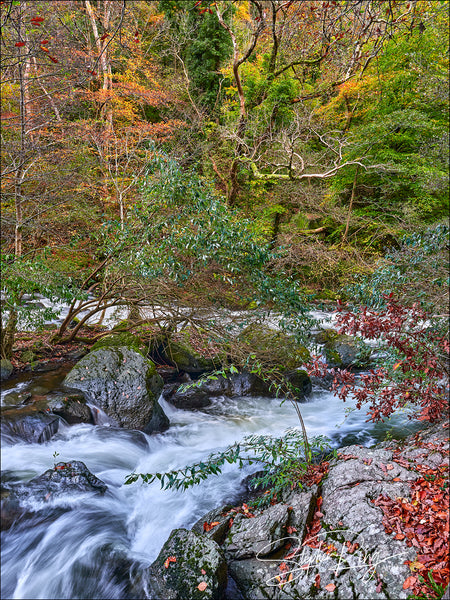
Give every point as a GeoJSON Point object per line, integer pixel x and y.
{"type": "Point", "coordinates": [53, 59]}
{"type": "Point", "coordinates": [317, 581]}
{"type": "Point", "coordinates": [290, 529]}
{"type": "Point", "coordinates": [44, 42]}
{"type": "Point", "coordinates": [202, 586]}
{"type": "Point", "coordinates": [19, 44]}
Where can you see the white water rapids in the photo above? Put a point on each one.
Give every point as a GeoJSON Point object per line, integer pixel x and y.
{"type": "Point", "coordinates": [64, 554]}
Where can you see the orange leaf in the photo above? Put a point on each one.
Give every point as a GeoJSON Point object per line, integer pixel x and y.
{"type": "Point", "coordinates": [409, 582]}
{"type": "Point", "coordinates": [330, 587]}
{"type": "Point", "coordinates": [44, 49]}
{"type": "Point", "coordinates": [283, 567]}
{"type": "Point", "coordinates": [169, 560]}
{"type": "Point", "coordinates": [202, 586]}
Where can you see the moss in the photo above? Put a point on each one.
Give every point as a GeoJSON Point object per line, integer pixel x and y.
{"type": "Point", "coordinates": [121, 339]}
{"type": "Point", "coordinates": [275, 347]}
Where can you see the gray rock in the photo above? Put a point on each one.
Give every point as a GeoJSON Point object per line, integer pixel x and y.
{"type": "Point", "coordinates": [217, 533]}
{"type": "Point", "coordinates": [258, 536]}
{"type": "Point", "coordinates": [27, 423]}
{"type": "Point", "coordinates": [124, 384]}
{"type": "Point", "coordinates": [71, 407]}
{"type": "Point", "coordinates": [240, 384]}
{"type": "Point", "coordinates": [199, 561]}
{"type": "Point", "coordinates": [6, 369]}
{"type": "Point", "coordinates": [193, 397]}
{"type": "Point", "coordinates": [344, 351]}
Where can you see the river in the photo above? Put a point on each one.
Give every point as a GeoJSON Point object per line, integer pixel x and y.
{"type": "Point", "coordinates": [64, 553]}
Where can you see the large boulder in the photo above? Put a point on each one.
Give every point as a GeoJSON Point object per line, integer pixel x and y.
{"type": "Point", "coordinates": [188, 566]}
{"type": "Point", "coordinates": [352, 555]}
{"type": "Point", "coordinates": [71, 407]}
{"type": "Point", "coordinates": [124, 384]}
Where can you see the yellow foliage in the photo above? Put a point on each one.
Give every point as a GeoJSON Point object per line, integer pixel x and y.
{"type": "Point", "coordinates": [243, 10]}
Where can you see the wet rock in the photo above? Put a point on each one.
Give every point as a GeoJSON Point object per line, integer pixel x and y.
{"type": "Point", "coordinates": [77, 354]}
{"type": "Point", "coordinates": [300, 381]}
{"type": "Point", "coordinates": [6, 369]}
{"type": "Point", "coordinates": [14, 398]}
{"type": "Point", "coordinates": [197, 572]}
{"type": "Point", "coordinates": [124, 384]}
{"type": "Point", "coordinates": [65, 478]}
{"type": "Point", "coordinates": [258, 536]}
{"type": "Point", "coordinates": [71, 407]}
{"type": "Point", "coordinates": [222, 517]}
{"type": "Point", "coordinates": [342, 350]}
{"type": "Point", "coordinates": [28, 423]}
{"type": "Point", "coordinates": [240, 384]}
{"type": "Point", "coordinates": [190, 398]}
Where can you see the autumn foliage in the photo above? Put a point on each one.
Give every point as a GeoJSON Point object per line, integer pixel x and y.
{"type": "Point", "coordinates": [422, 522]}
{"type": "Point", "coordinates": [415, 368]}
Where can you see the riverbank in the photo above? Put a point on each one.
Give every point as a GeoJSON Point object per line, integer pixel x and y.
{"type": "Point", "coordinates": [374, 524]}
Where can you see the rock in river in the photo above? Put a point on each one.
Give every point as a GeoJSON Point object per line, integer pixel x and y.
{"type": "Point", "coordinates": [124, 384]}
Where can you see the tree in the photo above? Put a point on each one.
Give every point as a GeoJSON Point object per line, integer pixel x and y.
{"type": "Point", "coordinates": [304, 51]}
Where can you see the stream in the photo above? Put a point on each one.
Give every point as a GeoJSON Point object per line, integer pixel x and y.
{"type": "Point", "coordinates": [65, 550]}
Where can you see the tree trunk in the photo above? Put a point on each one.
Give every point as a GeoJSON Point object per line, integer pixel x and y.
{"type": "Point", "coordinates": [104, 64]}
{"type": "Point", "coordinates": [23, 67]}
{"type": "Point", "coordinates": [350, 206]}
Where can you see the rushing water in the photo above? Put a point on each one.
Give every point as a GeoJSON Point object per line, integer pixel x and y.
{"type": "Point", "coordinates": [64, 550]}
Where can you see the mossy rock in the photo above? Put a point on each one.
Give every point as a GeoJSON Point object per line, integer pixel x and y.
{"type": "Point", "coordinates": [122, 325]}
{"type": "Point", "coordinates": [343, 351]}
{"type": "Point", "coordinates": [274, 347]}
{"type": "Point", "coordinates": [183, 355]}
{"type": "Point", "coordinates": [126, 339]}
{"type": "Point", "coordinates": [6, 369]}
{"type": "Point", "coordinates": [124, 384]}
{"type": "Point", "coordinates": [28, 356]}
{"type": "Point", "coordinates": [198, 570]}
{"type": "Point", "coordinates": [326, 335]}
